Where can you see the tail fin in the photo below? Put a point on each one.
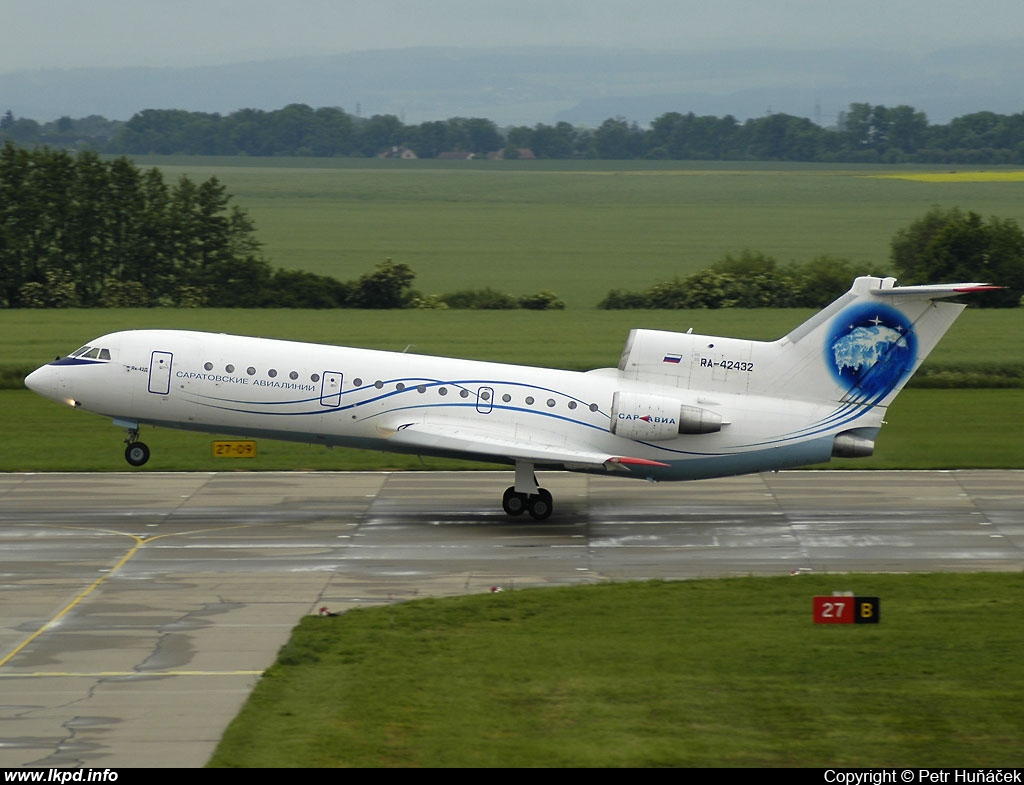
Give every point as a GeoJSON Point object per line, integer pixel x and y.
{"type": "Point", "coordinates": [847, 362]}
{"type": "Point", "coordinates": [858, 352]}
{"type": "Point", "coordinates": [870, 341]}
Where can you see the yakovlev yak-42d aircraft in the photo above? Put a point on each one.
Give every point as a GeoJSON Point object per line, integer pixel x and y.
{"type": "Point", "coordinates": [678, 407]}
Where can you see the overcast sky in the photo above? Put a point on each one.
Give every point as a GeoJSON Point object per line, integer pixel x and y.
{"type": "Point", "coordinates": [78, 33]}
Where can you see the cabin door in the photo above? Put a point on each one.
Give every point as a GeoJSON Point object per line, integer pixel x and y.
{"type": "Point", "coordinates": [330, 388]}
{"type": "Point", "coordinates": [160, 373]}
{"type": "Point", "coordinates": [485, 400]}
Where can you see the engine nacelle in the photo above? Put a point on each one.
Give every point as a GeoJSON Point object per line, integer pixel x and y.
{"type": "Point", "coordinates": [644, 417]}
{"type": "Point", "coordinates": [853, 444]}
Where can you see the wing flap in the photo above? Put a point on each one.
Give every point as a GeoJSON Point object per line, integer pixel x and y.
{"type": "Point", "coordinates": [462, 440]}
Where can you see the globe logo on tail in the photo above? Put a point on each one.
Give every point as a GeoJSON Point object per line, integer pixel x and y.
{"type": "Point", "coordinates": [870, 349]}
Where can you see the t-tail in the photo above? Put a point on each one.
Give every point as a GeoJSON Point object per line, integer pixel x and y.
{"type": "Point", "coordinates": [860, 352]}
{"type": "Point", "coordinates": [829, 380]}
{"type": "Point", "coordinates": [864, 347]}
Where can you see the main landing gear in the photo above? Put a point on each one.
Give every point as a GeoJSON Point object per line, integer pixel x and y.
{"type": "Point", "coordinates": [136, 452]}
{"type": "Point", "coordinates": [526, 496]}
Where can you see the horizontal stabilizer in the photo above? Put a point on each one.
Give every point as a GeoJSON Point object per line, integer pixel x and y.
{"type": "Point", "coordinates": [934, 291]}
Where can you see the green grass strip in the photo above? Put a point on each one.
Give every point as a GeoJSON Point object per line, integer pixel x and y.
{"type": "Point", "coordinates": [699, 673]}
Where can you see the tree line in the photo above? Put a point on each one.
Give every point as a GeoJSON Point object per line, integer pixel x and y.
{"type": "Point", "coordinates": [944, 245]}
{"type": "Point", "coordinates": [78, 230]}
{"type": "Point", "coordinates": [864, 133]}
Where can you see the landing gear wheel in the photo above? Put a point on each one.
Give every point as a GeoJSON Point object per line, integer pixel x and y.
{"type": "Point", "coordinates": [540, 505]}
{"type": "Point", "coordinates": [136, 453]}
{"type": "Point", "coordinates": [513, 503]}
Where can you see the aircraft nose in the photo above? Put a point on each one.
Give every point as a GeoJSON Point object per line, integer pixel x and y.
{"type": "Point", "coordinates": [35, 379]}
{"type": "Point", "coordinates": [44, 381]}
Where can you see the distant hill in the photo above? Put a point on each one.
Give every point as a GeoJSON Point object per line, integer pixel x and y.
{"type": "Point", "coordinates": [526, 86]}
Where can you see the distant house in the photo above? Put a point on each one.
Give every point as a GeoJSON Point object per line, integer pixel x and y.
{"type": "Point", "coordinates": [521, 153]}
{"type": "Point", "coordinates": [398, 152]}
{"type": "Point", "coordinates": [457, 155]}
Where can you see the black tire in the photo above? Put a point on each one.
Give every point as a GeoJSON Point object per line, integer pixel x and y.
{"type": "Point", "coordinates": [513, 503]}
{"type": "Point", "coordinates": [136, 453]}
{"type": "Point", "coordinates": [541, 505]}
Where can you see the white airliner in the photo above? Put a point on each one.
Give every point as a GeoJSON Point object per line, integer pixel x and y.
{"type": "Point", "coordinates": [678, 407]}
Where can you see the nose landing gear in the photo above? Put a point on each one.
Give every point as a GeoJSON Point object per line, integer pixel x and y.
{"type": "Point", "coordinates": [136, 452]}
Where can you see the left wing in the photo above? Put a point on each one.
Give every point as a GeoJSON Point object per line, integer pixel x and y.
{"type": "Point", "coordinates": [486, 444]}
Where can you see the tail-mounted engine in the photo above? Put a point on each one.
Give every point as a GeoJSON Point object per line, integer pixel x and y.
{"type": "Point", "coordinates": [656, 418]}
{"type": "Point", "coordinates": [858, 443]}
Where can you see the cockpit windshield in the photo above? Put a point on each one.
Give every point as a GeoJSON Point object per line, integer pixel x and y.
{"type": "Point", "coordinates": [91, 353]}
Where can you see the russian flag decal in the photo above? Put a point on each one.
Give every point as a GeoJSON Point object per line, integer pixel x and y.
{"type": "Point", "coordinates": [672, 358]}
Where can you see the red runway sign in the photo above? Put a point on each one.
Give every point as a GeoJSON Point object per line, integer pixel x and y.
{"type": "Point", "coordinates": [846, 610]}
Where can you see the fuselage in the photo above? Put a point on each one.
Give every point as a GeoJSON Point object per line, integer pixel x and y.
{"type": "Point", "coordinates": [338, 396]}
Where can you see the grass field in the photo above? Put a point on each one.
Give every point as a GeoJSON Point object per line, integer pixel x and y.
{"type": "Point", "coordinates": [697, 673]}
{"type": "Point", "coordinates": [1008, 176]}
{"type": "Point", "coordinates": [577, 228]}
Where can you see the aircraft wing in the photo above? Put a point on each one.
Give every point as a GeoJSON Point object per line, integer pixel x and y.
{"type": "Point", "coordinates": [460, 439]}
